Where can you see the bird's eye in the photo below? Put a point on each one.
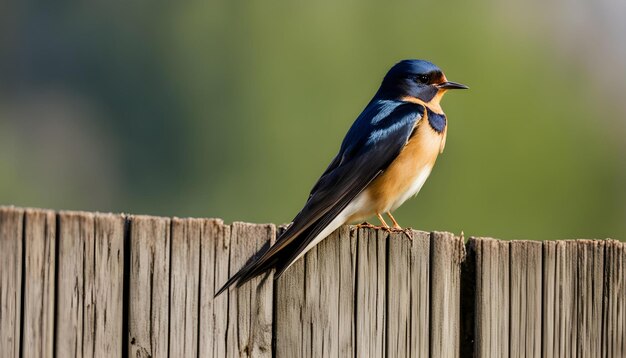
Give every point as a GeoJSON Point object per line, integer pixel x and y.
{"type": "Point", "coordinates": [421, 78]}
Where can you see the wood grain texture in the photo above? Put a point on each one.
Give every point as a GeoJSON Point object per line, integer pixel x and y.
{"type": "Point", "coordinates": [359, 293]}
{"type": "Point", "coordinates": [614, 309]}
{"type": "Point", "coordinates": [39, 281]}
{"type": "Point", "coordinates": [11, 230]}
{"type": "Point", "coordinates": [323, 284]}
{"type": "Point", "coordinates": [75, 315]}
{"type": "Point", "coordinates": [408, 292]}
{"type": "Point", "coordinates": [185, 287]}
{"type": "Point", "coordinates": [149, 287]}
{"type": "Point", "coordinates": [420, 294]}
{"type": "Point", "coordinates": [292, 333]}
{"type": "Point", "coordinates": [447, 253]}
{"type": "Point", "coordinates": [250, 307]}
{"type": "Point", "coordinates": [575, 298]}
{"type": "Point", "coordinates": [213, 319]}
{"type": "Point", "coordinates": [90, 285]}
{"type": "Point", "coordinates": [491, 297]}
{"type": "Point", "coordinates": [549, 293]}
{"type": "Point", "coordinates": [347, 266]}
{"type": "Point", "coordinates": [315, 297]}
{"type": "Point", "coordinates": [526, 290]}
{"type": "Point", "coordinates": [108, 284]}
{"type": "Point", "coordinates": [590, 286]}
{"type": "Point", "coordinates": [370, 296]}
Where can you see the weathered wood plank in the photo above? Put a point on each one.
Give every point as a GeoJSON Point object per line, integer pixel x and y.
{"type": "Point", "coordinates": [88, 300]}
{"type": "Point", "coordinates": [572, 300]}
{"type": "Point", "coordinates": [11, 230]}
{"type": "Point", "coordinates": [548, 299]}
{"type": "Point", "coordinates": [447, 255]}
{"type": "Point", "coordinates": [39, 281]}
{"type": "Point", "coordinates": [184, 287]}
{"type": "Point", "coordinates": [90, 285]}
{"type": "Point", "coordinates": [420, 294]}
{"type": "Point", "coordinates": [323, 283]}
{"type": "Point", "coordinates": [321, 312]}
{"type": "Point", "coordinates": [250, 308]}
{"type": "Point", "coordinates": [614, 309]}
{"type": "Point", "coordinates": [292, 332]}
{"type": "Point", "coordinates": [214, 246]}
{"type": "Point", "coordinates": [371, 283]}
{"type": "Point", "coordinates": [408, 291]}
{"type": "Point", "coordinates": [575, 298]}
{"type": "Point", "coordinates": [526, 290]}
{"type": "Point", "coordinates": [347, 273]}
{"type": "Point", "coordinates": [75, 320]}
{"type": "Point", "coordinates": [108, 284]}
{"type": "Point", "coordinates": [359, 293]}
{"type": "Point", "coordinates": [315, 316]}
{"type": "Point", "coordinates": [590, 283]}
{"type": "Point", "coordinates": [149, 287]}
{"type": "Point", "coordinates": [491, 297]}
{"type": "Point", "coordinates": [222, 274]}
{"type": "Point", "coordinates": [560, 294]}
{"type": "Point", "coordinates": [317, 325]}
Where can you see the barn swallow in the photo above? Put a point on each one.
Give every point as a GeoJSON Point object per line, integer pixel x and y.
{"type": "Point", "coordinates": [384, 159]}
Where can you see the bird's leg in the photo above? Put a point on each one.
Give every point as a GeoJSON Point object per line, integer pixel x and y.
{"type": "Point", "coordinates": [395, 223]}
{"type": "Point", "coordinates": [382, 221]}
{"type": "Point", "coordinates": [397, 227]}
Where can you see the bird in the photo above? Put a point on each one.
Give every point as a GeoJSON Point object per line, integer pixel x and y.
{"type": "Point", "coordinates": [384, 159]}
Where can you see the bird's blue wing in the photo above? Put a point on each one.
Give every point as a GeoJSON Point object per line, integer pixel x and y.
{"type": "Point", "coordinates": [375, 139]}
{"type": "Point", "coordinates": [372, 143]}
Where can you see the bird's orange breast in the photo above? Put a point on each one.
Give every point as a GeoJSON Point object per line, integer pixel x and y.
{"type": "Point", "coordinates": [412, 165]}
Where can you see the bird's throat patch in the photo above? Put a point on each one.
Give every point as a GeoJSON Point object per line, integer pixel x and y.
{"type": "Point", "coordinates": [437, 121]}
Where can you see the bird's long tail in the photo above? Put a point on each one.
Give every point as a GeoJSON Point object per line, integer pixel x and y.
{"type": "Point", "coordinates": [261, 264]}
{"type": "Point", "coordinates": [283, 258]}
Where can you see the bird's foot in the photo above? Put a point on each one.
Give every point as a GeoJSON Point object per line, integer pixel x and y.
{"type": "Point", "coordinates": [407, 231]}
{"type": "Point", "coordinates": [366, 225]}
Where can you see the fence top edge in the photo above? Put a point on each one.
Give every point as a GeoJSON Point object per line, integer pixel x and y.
{"type": "Point", "coordinates": [448, 234]}
{"type": "Point", "coordinates": [354, 228]}
{"type": "Point", "coordinates": [219, 221]}
{"type": "Point", "coordinates": [563, 241]}
{"type": "Point", "coordinates": [486, 239]}
{"type": "Point", "coordinates": [37, 211]}
{"type": "Point", "coordinates": [245, 223]}
{"type": "Point", "coordinates": [11, 208]}
{"type": "Point", "coordinates": [580, 241]}
{"type": "Point", "coordinates": [85, 214]}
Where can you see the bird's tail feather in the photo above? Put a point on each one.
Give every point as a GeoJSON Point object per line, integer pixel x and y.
{"type": "Point", "coordinates": [283, 258]}
{"type": "Point", "coordinates": [256, 267]}
{"type": "Point", "coordinates": [261, 262]}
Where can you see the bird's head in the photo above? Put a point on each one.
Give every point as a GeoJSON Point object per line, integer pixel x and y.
{"type": "Point", "coordinates": [416, 79]}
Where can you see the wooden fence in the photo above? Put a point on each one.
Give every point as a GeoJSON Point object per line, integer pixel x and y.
{"type": "Point", "coordinates": [76, 284]}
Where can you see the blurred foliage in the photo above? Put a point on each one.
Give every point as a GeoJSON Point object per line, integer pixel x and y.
{"type": "Point", "coordinates": [233, 110]}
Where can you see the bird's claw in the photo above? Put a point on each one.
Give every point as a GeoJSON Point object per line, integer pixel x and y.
{"type": "Point", "coordinates": [407, 231]}
{"type": "Point", "coordinates": [366, 225]}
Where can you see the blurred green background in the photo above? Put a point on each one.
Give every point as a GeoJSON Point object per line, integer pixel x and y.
{"type": "Point", "coordinates": [232, 110]}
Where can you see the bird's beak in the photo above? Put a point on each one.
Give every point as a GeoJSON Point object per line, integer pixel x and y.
{"type": "Point", "coordinates": [451, 85]}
